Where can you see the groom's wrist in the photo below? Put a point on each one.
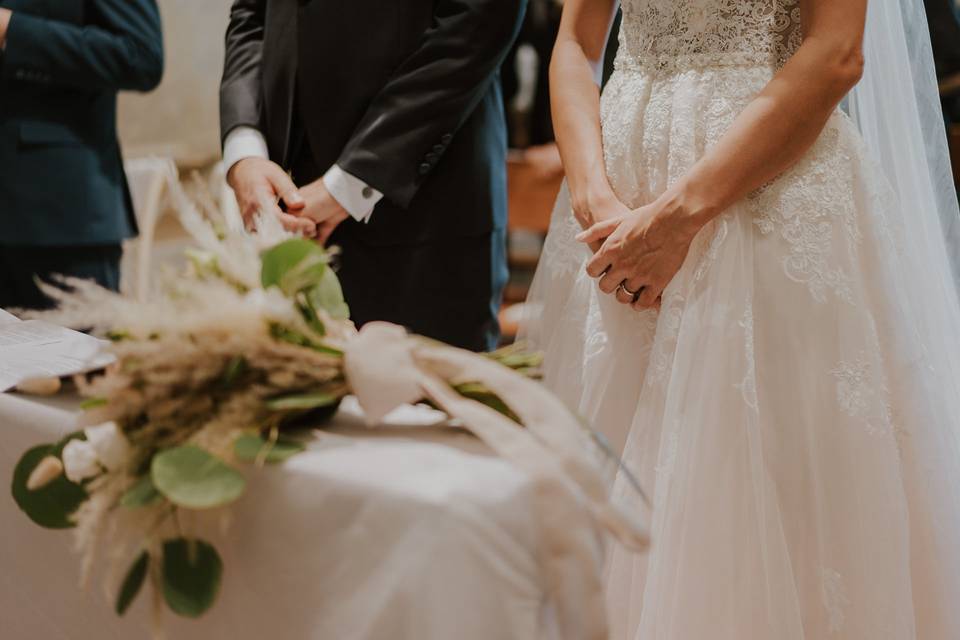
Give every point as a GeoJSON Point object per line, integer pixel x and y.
{"type": "Point", "coordinates": [353, 194]}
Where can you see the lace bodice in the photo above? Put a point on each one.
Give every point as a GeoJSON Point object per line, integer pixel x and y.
{"type": "Point", "coordinates": [669, 34]}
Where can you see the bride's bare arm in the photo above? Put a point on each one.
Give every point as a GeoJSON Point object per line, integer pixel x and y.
{"type": "Point", "coordinates": [575, 100]}
{"type": "Point", "coordinates": [786, 118]}
{"type": "Point", "coordinates": [646, 248]}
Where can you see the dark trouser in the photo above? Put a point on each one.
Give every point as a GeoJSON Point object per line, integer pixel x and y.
{"type": "Point", "coordinates": [448, 290]}
{"type": "Point", "coordinates": [20, 265]}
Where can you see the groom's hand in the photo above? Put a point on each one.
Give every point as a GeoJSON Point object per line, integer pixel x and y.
{"type": "Point", "coordinates": [322, 209]}
{"type": "Point", "coordinates": [260, 185]}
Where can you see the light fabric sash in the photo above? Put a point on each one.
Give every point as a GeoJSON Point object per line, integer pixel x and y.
{"type": "Point", "coordinates": [386, 368]}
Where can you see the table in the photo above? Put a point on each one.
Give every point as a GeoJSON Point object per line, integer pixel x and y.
{"type": "Point", "coordinates": [410, 531]}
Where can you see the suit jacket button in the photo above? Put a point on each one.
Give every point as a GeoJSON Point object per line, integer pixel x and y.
{"type": "Point", "coordinates": [439, 148]}
{"type": "Point", "coordinates": [446, 139]}
{"type": "Point", "coordinates": [432, 158]}
{"type": "Point", "coordinates": [425, 169]}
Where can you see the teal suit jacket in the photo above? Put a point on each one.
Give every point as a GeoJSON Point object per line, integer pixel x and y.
{"type": "Point", "coordinates": [61, 171]}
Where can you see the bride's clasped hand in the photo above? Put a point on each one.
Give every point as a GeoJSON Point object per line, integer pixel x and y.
{"type": "Point", "coordinates": [642, 250]}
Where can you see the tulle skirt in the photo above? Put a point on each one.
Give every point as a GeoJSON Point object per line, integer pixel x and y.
{"type": "Point", "coordinates": [793, 409]}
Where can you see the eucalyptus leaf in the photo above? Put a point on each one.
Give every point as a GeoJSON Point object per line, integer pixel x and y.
{"type": "Point", "coordinates": [132, 583]}
{"type": "Point", "coordinates": [328, 295]}
{"type": "Point", "coordinates": [141, 494]}
{"type": "Point", "coordinates": [278, 261]}
{"type": "Point", "coordinates": [252, 447]}
{"type": "Point", "coordinates": [52, 505]}
{"type": "Point", "coordinates": [302, 402]}
{"type": "Point", "coordinates": [305, 274]}
{"type": "Point", "coordinates": [190, 477]}
{"type": "Point", "coordinates": [192, 570]}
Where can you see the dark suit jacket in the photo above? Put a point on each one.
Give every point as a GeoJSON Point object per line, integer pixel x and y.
{"type": "Point", "coordinates": [61, 173]}
{"type": "Point", "coordinates": [403, 95]}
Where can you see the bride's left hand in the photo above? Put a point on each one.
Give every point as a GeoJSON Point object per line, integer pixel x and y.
{"type": "Point", "coordinates": [642, 251]}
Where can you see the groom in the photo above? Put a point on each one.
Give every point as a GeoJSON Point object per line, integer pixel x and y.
{"type": "Point", "coordinates": [389, 117]}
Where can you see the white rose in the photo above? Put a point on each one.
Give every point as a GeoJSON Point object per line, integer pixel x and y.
{"type": "Point", "coordinates": [80, 461]}
{"type": "Point", "coordinates": [111, 446]}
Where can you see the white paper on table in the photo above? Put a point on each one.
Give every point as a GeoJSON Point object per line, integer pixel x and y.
{"type": "Point", "coordinates": [37, 349]}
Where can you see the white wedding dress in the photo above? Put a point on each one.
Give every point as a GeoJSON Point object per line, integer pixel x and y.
{"type": "Point", "coordinates": [788, 411]}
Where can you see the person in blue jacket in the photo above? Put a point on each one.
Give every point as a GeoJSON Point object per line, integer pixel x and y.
{"type": "Point", "coordinates": [65, 207]}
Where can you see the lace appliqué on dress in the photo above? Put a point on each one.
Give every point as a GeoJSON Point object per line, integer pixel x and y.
{"type": "Point", "coordinates": [806, 205]}
{"type": "Point", "coordinates": [862, 393]}
{"type": "Point", "coordinates": [835, 599]}
{"type": "Point", "coordinates": [748, 386]}
{"type": "Point", "coordinates": [665, 342]}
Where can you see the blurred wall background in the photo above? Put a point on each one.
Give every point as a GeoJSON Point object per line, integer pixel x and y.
{"type": "Point", "coordinates": [181, 119]}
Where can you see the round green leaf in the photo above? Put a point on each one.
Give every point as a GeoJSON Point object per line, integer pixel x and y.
{"type": "Point", "coordinates": [132, 583]}
{"type": "Point", "coordinates": [282, 261]}
{"type": "Point", "coordinates": [190, 477]}
{"type": "Point", "coordinates": [192, 570]}
{"type": "Point", "coordinates": [50, 506]}
{"type": "Point", "coordinates": [250, 447]}
{"type": "Point", "coordinates": [328, 295]}
{"type": "Point", "coordinates": [141, 494]}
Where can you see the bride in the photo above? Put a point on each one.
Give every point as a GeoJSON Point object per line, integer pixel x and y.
{"type": "Point", "coordinates": [752, 287]}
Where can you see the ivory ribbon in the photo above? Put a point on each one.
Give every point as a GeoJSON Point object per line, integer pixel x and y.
{"type": "Point", "coordinates": [386, 368]}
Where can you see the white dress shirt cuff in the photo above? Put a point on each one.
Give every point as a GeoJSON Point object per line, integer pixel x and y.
{"type": "Point", "coordinates": [353, 194]}
{"type": "Point", "coordinates": [243, 142]}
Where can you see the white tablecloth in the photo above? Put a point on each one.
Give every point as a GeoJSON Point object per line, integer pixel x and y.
{"type": "Point", "coordinates": [397, 533]}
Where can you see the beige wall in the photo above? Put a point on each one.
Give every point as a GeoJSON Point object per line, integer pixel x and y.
{"type": "Point", "coordinates": [180, 119]}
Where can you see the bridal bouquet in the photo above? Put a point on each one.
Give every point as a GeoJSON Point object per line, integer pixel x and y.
{"type": "Point", "coordinates": [217, 372]}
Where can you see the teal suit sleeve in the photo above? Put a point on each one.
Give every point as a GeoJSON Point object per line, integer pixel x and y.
{"type": "Point", "coordinates": [120, 48]}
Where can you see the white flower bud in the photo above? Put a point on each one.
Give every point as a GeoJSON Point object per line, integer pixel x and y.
{"type": "Point", "coordinates": [80, 461]}
{"type": "Point", "coordinates": [40, 386]}
{"type": "Point", "coordinates": [111, 446]}
{"type": "Point", "coordinates": [48, 470]}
